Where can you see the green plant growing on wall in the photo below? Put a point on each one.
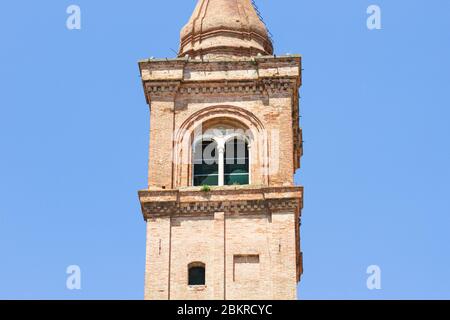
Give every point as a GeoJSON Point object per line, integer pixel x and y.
{"type": "Point", "coordinates": [206, 188]}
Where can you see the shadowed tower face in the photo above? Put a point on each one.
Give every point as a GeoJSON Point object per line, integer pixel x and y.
{"type": "Point", "coordinates": [221, 207]}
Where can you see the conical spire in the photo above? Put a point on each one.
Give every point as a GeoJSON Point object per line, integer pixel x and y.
{"type": "Point", "coordinates": [224, 28]}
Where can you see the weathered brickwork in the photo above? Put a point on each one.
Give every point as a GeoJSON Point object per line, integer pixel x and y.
{"type": "Point", "coordinates": [246, 237]}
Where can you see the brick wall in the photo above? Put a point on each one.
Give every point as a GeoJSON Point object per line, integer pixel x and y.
{"type": "Point", "coordinates": [246, 256]}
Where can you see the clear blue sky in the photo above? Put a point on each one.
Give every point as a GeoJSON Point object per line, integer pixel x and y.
{"type": "Point", "coordinates": [74, 139]}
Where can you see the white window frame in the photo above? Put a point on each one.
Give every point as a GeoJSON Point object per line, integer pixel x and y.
{"type": "Point", "coordinates": [221, 142]}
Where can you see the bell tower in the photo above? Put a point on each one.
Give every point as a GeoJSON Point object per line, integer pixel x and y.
{"type": "Point", "coordinates": [221, 207]}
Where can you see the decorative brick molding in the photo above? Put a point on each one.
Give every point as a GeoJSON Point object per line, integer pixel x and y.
{"type": "Point", "coordinates": [231, 200]}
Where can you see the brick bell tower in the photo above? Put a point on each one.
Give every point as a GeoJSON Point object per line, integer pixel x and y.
{"type": "Point", "coordinates": [222, 210]}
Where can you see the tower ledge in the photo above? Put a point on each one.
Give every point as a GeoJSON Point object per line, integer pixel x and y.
{"type": "Point", "coordinates": [251, 67]}
{"type": "Point", "coordinates": [231, 199]}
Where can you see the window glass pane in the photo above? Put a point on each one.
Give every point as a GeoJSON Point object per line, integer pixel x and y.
{"type": "Point", "coordinates": [236, 163]}
{"type": "Point", "coordinates": [242, 179]}
{"type": "Point", "coordinates": [236, 149]}
{"type": "Point", "coordinates": [236, 168]}
{"type": "Point", "coordinates": [211, 180]}
{"type": "Point", "coordinates": [204, 169]}
{"type": "Point", "coordinates": [206, 164]}
{"type": "Point", "coordinates": [197, 276]}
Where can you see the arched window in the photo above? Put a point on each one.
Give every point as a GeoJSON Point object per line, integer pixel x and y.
{"type": "Point", "coordinates": [196, 274]}
{"type": "Point", "coordinates": [206, 163]}
{"type": "Point", "coordinates": [221, 159]}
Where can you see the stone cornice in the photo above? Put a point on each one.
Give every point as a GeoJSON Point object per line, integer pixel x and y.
{"type": "Point", "coordinates": [232, 200]}
{"type": "Point", "coordinates": [183, 61]}
{"type": "Point", "coordinates": [254, 69]}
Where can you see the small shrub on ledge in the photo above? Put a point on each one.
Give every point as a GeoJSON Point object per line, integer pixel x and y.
{"type": "Point", "coordinates": [206, 188]}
